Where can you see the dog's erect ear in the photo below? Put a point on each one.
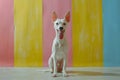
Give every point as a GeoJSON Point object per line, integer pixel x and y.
{"type": "Point", "coordinates": [67, 16]}
{"type": "Point", "coordinates": [54, 16]}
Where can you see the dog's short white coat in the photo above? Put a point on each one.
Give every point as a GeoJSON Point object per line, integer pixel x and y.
{"type": "Point", "coordinates": [59, 47]}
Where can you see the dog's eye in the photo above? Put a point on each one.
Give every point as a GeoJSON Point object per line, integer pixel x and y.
{"type": "Point", "coordinates": [56, 23]}
{"type": "Point", "coordinates": [64, 23]}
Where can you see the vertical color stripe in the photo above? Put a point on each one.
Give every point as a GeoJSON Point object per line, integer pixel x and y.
{"type": "Point", "coordinates": [28, 32]}
{"type": "Point", "coordinates": [111, 21]}
{"type": "Point", "coordinates": [87, 32]}
{"type": "Point", "coordinates": [6, 33]}
{"type": "Point", "coordinates": [60, 7]}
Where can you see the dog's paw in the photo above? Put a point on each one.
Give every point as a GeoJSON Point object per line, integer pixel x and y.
{"type": "Point", "coordinates": [51, 70]}
{"type": "Point", "coordinates": [54, 75]}
{"type": "Point", "coordinates": [65, 74]}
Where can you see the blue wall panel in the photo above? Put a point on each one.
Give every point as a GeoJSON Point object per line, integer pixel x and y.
{"type": "Point", "coordinates": [111, 26]}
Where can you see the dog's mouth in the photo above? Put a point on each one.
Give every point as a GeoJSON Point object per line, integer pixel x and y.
{"type": "Point", "coordinates": [61, 33]}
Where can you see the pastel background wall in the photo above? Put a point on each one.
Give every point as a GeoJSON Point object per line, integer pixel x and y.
{"type": "Point", "coordinates": [6, 33]}
{"type": "Point", "coordinates": [26, 32]}
{"type": "Point", "coordinates": [61, 9]}
{"type": "Point", "coordinates": [111, 25]}
{"type": "Point", "coordinates": [87, 33]}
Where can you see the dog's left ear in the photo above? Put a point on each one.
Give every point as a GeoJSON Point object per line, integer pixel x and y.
{"type": "Point", "coordinates": [67, 16]}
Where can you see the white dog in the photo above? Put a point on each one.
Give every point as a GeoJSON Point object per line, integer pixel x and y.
{"type": "Point", "coordinates": [58, 59]}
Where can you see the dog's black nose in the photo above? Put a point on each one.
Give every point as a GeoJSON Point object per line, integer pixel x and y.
{"type": "Point", "coordinates": [61, 28]}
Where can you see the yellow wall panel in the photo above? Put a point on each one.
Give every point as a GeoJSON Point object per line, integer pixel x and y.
{"type": "Point", "coordinates": [28, 33]}
{"type": "Point", "coordinates": [87, 32]}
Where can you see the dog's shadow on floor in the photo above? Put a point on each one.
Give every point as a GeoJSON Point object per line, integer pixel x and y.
{"type": "Point", "coordinates": [90, 73]}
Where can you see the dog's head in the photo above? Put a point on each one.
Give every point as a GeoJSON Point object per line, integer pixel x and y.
{"type": "Point", "coordinates": [60, 24]}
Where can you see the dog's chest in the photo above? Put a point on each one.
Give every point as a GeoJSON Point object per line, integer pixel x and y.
{"type": "Point", "coordinates": [60, 50]}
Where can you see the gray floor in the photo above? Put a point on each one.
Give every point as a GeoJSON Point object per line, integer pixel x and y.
{"type": "Point", "coordinates": [74, 74]}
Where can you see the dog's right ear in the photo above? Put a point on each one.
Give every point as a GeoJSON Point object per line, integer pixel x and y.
{"type": "Point", "coordinates": [54, 16]}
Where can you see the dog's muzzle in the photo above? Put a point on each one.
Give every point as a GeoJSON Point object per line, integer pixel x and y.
{"type": "Point", "coordinates": [61, 33]}
{"type": "Point", "coordinates": [61, 28]}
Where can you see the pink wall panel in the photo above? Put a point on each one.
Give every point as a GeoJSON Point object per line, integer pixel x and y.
{"type": "Point", "coordinates": [6, 33]}
{"type": "Point", "coordinates": [60, 7]}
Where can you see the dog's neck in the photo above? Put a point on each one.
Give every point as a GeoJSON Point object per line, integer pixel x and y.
{"type": "Point", "coordinates": [60, 41]}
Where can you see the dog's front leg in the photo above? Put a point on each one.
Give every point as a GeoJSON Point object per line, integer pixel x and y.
{"type": "Point", "coordinates": [64, 67]}
{"type": "Point", "coordinates": [50, 62]}
{"type": "Point", "coordinates": [54, 69]}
